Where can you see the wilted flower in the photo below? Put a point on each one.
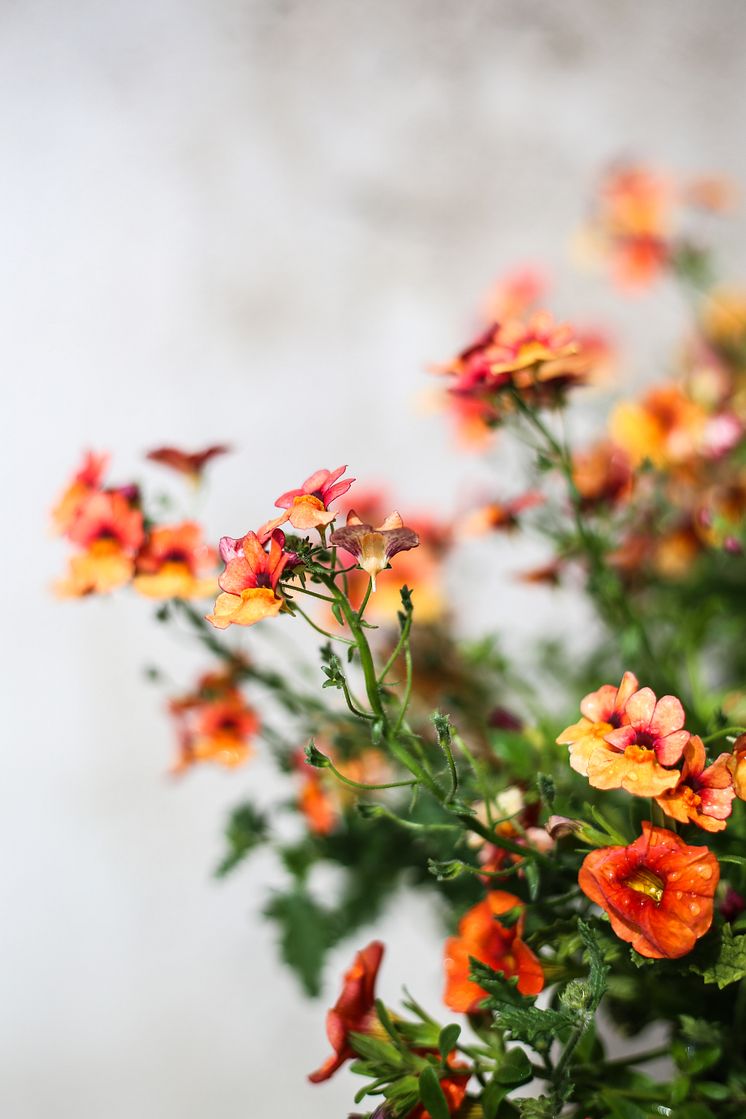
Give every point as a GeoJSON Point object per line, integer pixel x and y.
{"type": "Point", "coordinates": [172, 562]}
{"type": "Point", "coordinates": [482, 936]}
{"type": "Point", "coordinates": [214, 723]}
{"type": "Point", "coordinates": [109, 529]}
{"type": "Point", "coordinates": [658, 892]}
{"type": "Point", "coordinates": [354, 1010]}
{"type": "Point", "coordinates": [183, 462]}
{"type": "Point", "coordinates": [250, 579]}
{"type": "Point", "coordinates": [374, 547]}
{"type": "Point", "coordinates": [704, 795]}
{"type": "Point", "coordinates": [308, 506]}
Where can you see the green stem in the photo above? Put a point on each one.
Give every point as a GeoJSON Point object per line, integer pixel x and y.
{"type": "Point", "coordinates": [726, 732]}
{"type": "Point", "coordinates": [397, 650]}
{"type": "Point", "coordinates": [360, 785]}
{"type": "Point", "coordinates": [366, 657]}
{"type": "Point", "coordinates": [364, 603]}
{"type": "Point", "coordinates": [323, 632]}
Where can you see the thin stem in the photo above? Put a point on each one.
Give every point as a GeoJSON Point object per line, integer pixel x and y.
{"type": "Point", "coordinates": [323, 632]}
{"type": "Point", "coordinates": [364, 603]}
{"type": "Point", "coordinates": [726, 732]}
{"type": "Point", "coordinates": [361, 785]}
{"type": "Point", "coordinates": [407, 691]}
{"type": "Point", "coordinates": [296, 588]}
{"type": "Point", "coordinates": [397, 650]}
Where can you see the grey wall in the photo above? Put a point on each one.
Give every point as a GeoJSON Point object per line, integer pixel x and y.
{"type": "Point", "coordinates": [258, 222]}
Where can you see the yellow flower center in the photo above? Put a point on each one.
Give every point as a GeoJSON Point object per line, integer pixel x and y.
{"type": "Point", "coordinates": [309, 499]}
{"type": "Point", "coordinates": [643, 881]}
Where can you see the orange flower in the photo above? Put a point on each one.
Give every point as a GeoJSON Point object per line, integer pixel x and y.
{"type": "Point", "coordinates": [110, 531]}
{"type": "Point", "coordinates": [192, 464]}
{"type": "Point", "coordinates": [308, 506]}
{"type": "Point", "coordinates": [737, 764]}
{"type": "Point", "coordinates": [453, 1088]}
{"type": "Point", "coordinates": [482, 936]}
{"type": "Point", "coordinates": [626, 738]}
{"type": "Point", "coordinates": [171, 563]}
{"type": "Point", "coordinates": [658, 892]}
{"type": "Point", "coordinates": [703, 796]}
{"type": "Point", "coordinates": [515, 294]}
{"type": "Point", "coordinates": [354, 1010]}
{"type": "Point", "coordinates": [215, 724]}
{"type": "Point", "coordinates": [85, 482]}
{"type": "Point", "coordinates": [501, 515]}
{"type": "Point", "coordinates": [602, 474]}
{"type": "Point", "coordinates": [633, 223]}
{"type": "Point", "coordinates": [322, 800]}
{"type": "Point", "coordinates": [250, 579]}
{"type": "Point", "coordinates": [538, 359]}
{"type": "Point", "coordinates": [374, 547]}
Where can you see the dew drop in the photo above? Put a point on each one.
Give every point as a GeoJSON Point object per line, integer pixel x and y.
{"type": "Point", "coordinates": [632, 777]}
{"type": "Point", "coordinates": [694, 909]}
{"type": "Point", "coordinates": [674, 876]}
{"type": "Point", "coordinates": [704, 871]}
{"type": "Point", "coordinates": [678, 895]}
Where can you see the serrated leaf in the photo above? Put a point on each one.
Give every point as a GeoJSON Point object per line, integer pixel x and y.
{"type": "Point", "coordinates": [246, 829]}
{"type": "Point", "coordinates": [598, 968]}
{"type": "Point", "coordinates": [730, 964]}
{"type": "Point", "coordinates": [535, 1027]}
{"type": "Point", "coordinates": [304, 935]}
{"type": "Point", "coordinates": [431, 1094]}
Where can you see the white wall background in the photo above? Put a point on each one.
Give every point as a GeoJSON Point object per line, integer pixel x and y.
{"type": "Point", "coordinates": [257, 222]}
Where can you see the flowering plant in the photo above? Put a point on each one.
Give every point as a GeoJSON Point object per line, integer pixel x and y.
{"type": "Point", "coordinates": [590, 869]}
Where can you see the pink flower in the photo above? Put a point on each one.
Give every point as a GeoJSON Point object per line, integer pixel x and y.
{"type": "Point", "coordinates": [655, 725]}
{"type": "Point", "coordinates": [308, 507]}
{"type": "Point", "coordinates": [250, 579]}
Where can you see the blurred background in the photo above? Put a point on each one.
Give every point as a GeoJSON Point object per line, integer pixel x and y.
{"type": "Point", "coordinates": [258, 222]}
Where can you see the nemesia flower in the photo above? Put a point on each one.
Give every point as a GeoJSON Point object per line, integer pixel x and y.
{"type": "Point", "coordinates": [602, 475]}
{"type": "Point", "coordinates": [172, 561]}
{"type": "Point", "coordinates": [374, 547]}
{"type": "Point", "coordinates": [308, 506]}
{"type": "Point", "coordinates": [354, 1010]}
{"type": "Point", "coordinates": [250, 579]}
{"type": "Point", "coordinates": [658, 892]}
{"type": "Point", "coordinates": [86, 481]}
{"type": "Point", "coordinates": [670, 429]}
{"type": "Point", "coordinates": [483, 937]}
{"type": "Point", "coordinates": [738, 766]}
{"type": "Point", "coordinates": [183, 462]}
{"type": "Point", "coordinates": [515, 294]}
{"type": "Point", "coordinates": [704, 795]}
{"type": "Point", "coordinates": [214, 723]}
{"type": "Point", "coordinates": [109, 529]}
{"type": "Point", "coordinates": [500, 516]}
{"type": "Point", "coordinates": [547, 574]}
{"type": "Point", "coordinates": [626, 739]}
{"type": "Point", "coordinates": [633, 223]}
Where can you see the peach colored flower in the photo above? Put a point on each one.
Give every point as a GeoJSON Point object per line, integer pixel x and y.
{"type": "Point", "coordinates": [86, 481]}
{"type": "Point", "coordinates": [602, 474]}
{"type": "Point", "coordinates": [704, 795]}
{"type": "Point", "coordinates": [172, 563]}
{"type": "Point", "coordinates": [658, 892]}
{"type": "Point", "coordinates": [354, 1010]}
{"type": "Point", "coordinates": [483, 937]}
{"type": "Point", "coordinates": [109, 529]}
{"type": "Point", "coordinates": [372, 547]}
{"type": "Point", "coordinates": [214, 724]}
{"type": "Point", "coordinates": [250, 579]}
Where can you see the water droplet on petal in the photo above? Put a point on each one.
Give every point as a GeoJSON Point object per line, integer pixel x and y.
{"type": "Point", "coordinates": [694, 909]}
{"type": "Point", "coordinates": [678, 895]}
{"type": "Point", "coordinates": [674, 876]}
{"type": "Point", "coordinates": [704, 871]}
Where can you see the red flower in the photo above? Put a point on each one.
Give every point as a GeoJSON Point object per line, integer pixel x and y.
{"type": "Point", "coordinates": [482, 936]}
{"type": "Point", "coordinates": [658, 892]}
{"type": "Point", "coordinates": [354, 1010]}
{"type": "Point", "coordinates": [308, 506]}
{"type": "Point", "coordinates": [704, 796]}
{"type": "Point", "coordinates": [250, 579]}
{"type": "Point", "coordinates": [191, 464]}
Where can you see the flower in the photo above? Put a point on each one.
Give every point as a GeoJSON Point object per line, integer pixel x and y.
{"type": "Point", "coordinates": [670, 429]}
{"type": "Point", "coordinates": [86, 481]}
{"type": "Point", "coordinates": [321, 800]}
{"type": "Point", "coordinates": [192, 464]}
{"type": "Point", "coordinates": [658, 892]}
{"type": "Point", "coordinates": [109, 528]}
{"type": "Point", "coordinates": [308, 506]}
{"type": "Point", "coordinates": [737, 764]}
{"type": "Point", "coordinates": [250, 579]}
{"type": "Point", "coordinates": [602, 475]}
{"type": "Point", "coordinates": [627, 738]}
{"type": "Point", "coordinates": [633, 223]}
{"type": "Point", "coordinates": [703, 796]}
{"type": "Point", "coordinates": [501, 515]}
{"type": "Point", "coordinates": [374, 547]}
{"type": "Point", "coordinates": [482, 936]}
{"type": "Point", "coordinates": [354, 1010]}
{"type": "Point", "coordinates": [171, 563]}
{"type": "Point", "coordinates": [452, 1087]}
{"type": "Point", "coordinates": [214, 723]}
{"type": "Point", "coordinates": [538, 359]}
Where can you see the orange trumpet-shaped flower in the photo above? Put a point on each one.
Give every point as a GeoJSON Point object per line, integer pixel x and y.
{"type": "Point", "coordinates": [354, 1010]}
{"type": "Point", "coordinates": [308, 506]}
{"type": "Point", "coordinates": [658, 892]}
{"type": "Point", "coordinates": [482, 936]}
{"type": "Point", "coordinates": [703, 796]}
{"type": "Point", "coordinates": [374, 547]}
{"type": "Point", "coordinates": [172, 562]}
{"type": "Point", "coordinates": [250, 579]}
{"type": "Point", "coordinates": [109, 530]}
{"type": "Point", "coordinates": [192, 464]}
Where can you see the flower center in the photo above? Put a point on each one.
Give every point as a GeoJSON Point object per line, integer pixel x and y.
{"type": "Point", "coordinates": [643, 881]}
{"type": "Point", "coordinates": [309, 499]}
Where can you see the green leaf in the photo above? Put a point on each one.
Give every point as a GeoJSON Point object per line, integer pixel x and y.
{"type": "Point", "coordinates": [730, 964]}
{"type": "Point", "coordinates": [431, 1094]}
{"type": "Point", "coordinates": [304, 935]}
{"type": "Point", "coordinates": [515, 1068]}
{"type": "Point", "coordinates": [448, 1039]}
{"type": "Point", "coordinates": [537, 1028]}
{"type": "Point", "coordinates": [246, 829]}
{"type": "Point", "coordinates": [598, 968]}
{"type": "Point", "coordinates": [547, 791]}
{"type": "Point", "coordinates": [492, 1097]}
{"type": "Point", "coordinates": [380, 1053]}
{"type": "Point", "coordinates": [619, 1108]}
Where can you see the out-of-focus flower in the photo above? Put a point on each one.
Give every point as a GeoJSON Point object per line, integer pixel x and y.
{"type": "Point", "coordinates": [354, 1010]}
{"type": "Point", "coordinates": [515, 294]}
{"type": "Point", "coordinates": [602, 474]}
{"type": "Point", "coordinates": [723, 320]}
{"type": "Point", "coordinates": [732, 905]}
{"type": "Point", "coordinates": [704, 795]}
{"type": "Point", "coordinates": [658, 892]}
{"type": "Point", "coordinates": [192, 464]}
{"type": "Point", "coordinates": [214, 724]}
{"type": "Point", "coordinates": [632, 224]}
{"type": "Point", "coordinates": [109, 529]}
{"type": "Point", "coordinates": [546, 574]}
{"type": "Point", "coordinates": [323, 798]}
{"type": "Point", "coordinates": [500, 515]}
{"type": "Point", "coordinates": [86, 481]}
{"type": "Point", "coordinates": [669, 429]}
{"type": "Point", "coordinates": [308, 506]}
{"type": "Point", "coordinates": [710, 192]}
{"type": "Point", "coordinates": [372, 547]}
{"type": "Point", "coordinates": [482, 936]}
{"type": "Point", "coordinates": [250, 579]}
{"type": "Point", "coordinates": [537, 359]}
{"type": "Point", "coordinates": [738, 766]}
{"type": "Point", "coordinates": [172, 563]}
{"type": "Point", "coordinates": [626, 738]}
